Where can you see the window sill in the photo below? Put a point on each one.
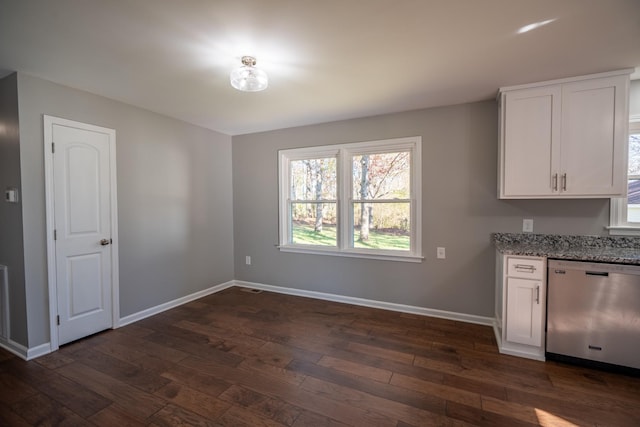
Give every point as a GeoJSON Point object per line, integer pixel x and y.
{"type": "Point", "coordinates": [624, 230]}
{"type": "Point", "coordinates": [352, 254]}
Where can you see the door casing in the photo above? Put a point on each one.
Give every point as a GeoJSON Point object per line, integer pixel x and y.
{"type": "Point", "coordinates": [49, 121]}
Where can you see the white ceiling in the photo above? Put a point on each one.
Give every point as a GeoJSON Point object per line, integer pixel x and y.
{"type": "Point", "coordinates": [327, 59]}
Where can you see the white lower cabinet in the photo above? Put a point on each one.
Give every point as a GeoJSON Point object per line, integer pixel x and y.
{"type": "Point", "coordinates": [520, 320]}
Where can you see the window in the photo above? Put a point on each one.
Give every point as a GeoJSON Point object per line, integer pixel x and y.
{"type": "Point", "coordinates": [625, 212]}
{"type": "Point", "coordinates": [359, 200]}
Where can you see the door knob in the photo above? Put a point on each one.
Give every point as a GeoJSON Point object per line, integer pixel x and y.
{"type": "Point", "coordinates": [105, 242]}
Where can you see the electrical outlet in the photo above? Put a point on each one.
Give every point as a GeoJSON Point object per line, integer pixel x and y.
{"type": "Point", "coordinates": [247, 260]}
{"type": "Point", "coordinates": [440, 253]}
{"type": "Point", "coordinates": [527, 225]}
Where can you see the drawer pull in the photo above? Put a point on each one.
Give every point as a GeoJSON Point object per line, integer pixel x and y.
{"type": "Point", "coordinates": [525, 267]}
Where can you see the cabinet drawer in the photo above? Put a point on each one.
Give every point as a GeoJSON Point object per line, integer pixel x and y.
{"type": "Point", "coordinates": [525, 268]}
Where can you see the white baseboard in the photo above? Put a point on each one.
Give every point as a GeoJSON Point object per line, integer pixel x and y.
{"type": "Point", "coordinates": [172, 304]}
{"type": "Point", "coordinates": [423, 311]}
{"type": "Point", "coordinates": [38, 351]}
{"type": "Point", "coordinates": [31, 353]}
{"type": "Point", "coordinates": [14, 347]}
{"type": "Point", "coordinates": [24, 352]}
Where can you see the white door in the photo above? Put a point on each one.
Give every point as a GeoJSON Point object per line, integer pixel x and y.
{"type": "Point", "coordinates": [524, 311]}
{"type": "Point", "coordinates": [82, 190]}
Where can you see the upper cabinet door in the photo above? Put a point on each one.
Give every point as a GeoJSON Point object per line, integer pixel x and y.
{"type": "Point", "coordinates": [594, 120]}
{"type": "Point", "coordinates": [531, 129]}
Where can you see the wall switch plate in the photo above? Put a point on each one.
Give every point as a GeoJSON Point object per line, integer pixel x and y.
{"type": "Point", "coordinates": [247, 260]}
{"type": "Point", "coordinates": [527, 225]}
{"type": "Point", "coordinates": [440, 253]}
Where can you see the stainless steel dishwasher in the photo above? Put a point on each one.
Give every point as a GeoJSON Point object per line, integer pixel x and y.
{"type": "Point", "coordinates": [593, 312]}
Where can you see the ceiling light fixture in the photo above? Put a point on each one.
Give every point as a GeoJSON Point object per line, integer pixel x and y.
{"type": "Point", "coordinates": [248, 78]}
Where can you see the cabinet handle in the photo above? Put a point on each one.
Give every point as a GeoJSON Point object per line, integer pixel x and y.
{"type": "Point", "coordinates": [525, 267]}
{"type": "Point", "coordinates": [555, 182]}
{"type": "Point", "coordinates": [538, 294]}
{"type": "Point", "coordinates": [564, 182]}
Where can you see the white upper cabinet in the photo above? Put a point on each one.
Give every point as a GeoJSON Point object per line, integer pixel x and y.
{"type": "Point", "coordinates": [565, 138]}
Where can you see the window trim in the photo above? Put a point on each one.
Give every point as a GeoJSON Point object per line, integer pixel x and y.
{"type": "Point", "coordinates": [618, 224]}
{"type": "Point", "coordinates": [343, 154]}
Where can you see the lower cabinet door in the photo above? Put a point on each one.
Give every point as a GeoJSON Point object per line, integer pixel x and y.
{"type": "Point", "coordinates": [524, 311]}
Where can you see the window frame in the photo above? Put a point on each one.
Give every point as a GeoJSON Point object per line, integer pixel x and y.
{"type": "Point", "coordinates": [618, 223]}
{"type": "Point", "coordinates": [344, 205]}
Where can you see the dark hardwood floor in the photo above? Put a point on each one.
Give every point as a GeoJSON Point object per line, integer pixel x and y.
{"type": "Point", "coordinates": [244, 359]}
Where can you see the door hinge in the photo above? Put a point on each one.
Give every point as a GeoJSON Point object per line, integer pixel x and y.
{"type": "Point", "coordinates": [58, 320]}
{"type": "Point", "coordinates": [55, 234]}
{"type": "Point", "coordinates": [53, 147]}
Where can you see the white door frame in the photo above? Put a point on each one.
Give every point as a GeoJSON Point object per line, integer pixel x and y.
{"type": "Point", "coordinates": [49, 121]}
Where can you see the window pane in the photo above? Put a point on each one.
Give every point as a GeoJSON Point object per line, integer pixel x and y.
{"type": "Point", "coordinates": [313, 179]}
{"type": "Point", "coordinates": [633, 205]}
{"type": "Point", "coordinates": [382, 176]}
{"type": "Point", "coordinates": [314, 224]}
{"type": "Point", "coordinates": [382, 226]}
{"type": "Point", "coordinates": [634, 154]}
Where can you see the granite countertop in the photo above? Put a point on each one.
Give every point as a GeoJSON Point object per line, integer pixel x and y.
{"type": "Point", "coordinates": [620, 250]}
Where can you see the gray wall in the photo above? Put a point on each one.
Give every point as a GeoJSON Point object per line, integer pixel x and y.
{"type": "Point", "coordinates": [460, 210]}
{"type": "Point", "coordinates": [174, 200]}
{"type": "Point", "coordinates": [11, 247]}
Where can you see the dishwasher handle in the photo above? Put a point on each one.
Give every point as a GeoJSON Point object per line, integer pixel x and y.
{"type": "Point", "coordinates": [597, 273]}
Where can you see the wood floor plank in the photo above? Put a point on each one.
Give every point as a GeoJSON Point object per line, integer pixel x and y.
{"type": "Point", "coordinates": [528, 414]}
{"type": "Point", "coordinates": [446, 392]}
{"type": "Point", "coordinates": [42, 410]}
{"type": "Point", "coordinates": [197, 380]}
{"type": "Point", "coordinates": [75, 396]}
{"type": "Point", "coordinates": [475, 386]}
{"type": "Point", "coordinates": [125, 372]}
{"type": "Point", "coordinates": [120, 351]}
{"type": "Point", "coordinates": [236, 417]}
{"type": "Point", "coordinates": [385, 391]}
{"type": "Point", "coordinates": [395, 356]}
{"type": "Point", "coordinates": [263, 359]}
{"type": "Point", "coordinates": [173, 415]}
{"type": "Point", "coordinates": [281, 389]}
{"type": "Point", "coordinates": [480, 417]}
{"type": "Point", "coordinates": [573, 410]}
{"type": "Point", "coordinates": [202, 349]}
{"type": "Point", "coordinates": [112, 416]}
{"type": "Point", "coordinates": [10, 418]}
{"type": "Point", "coordinates": [265, 406]}
{"type": "Point", "coordinates": [275, 372]}
{"type": "Point", "coordinates": [147, 347]}
{"type": "Point", "coordinates": [389, 412]}
{"type": "Point", "coordinates": [195, 401]}
{"type": "Point", "coordinates": [13, 389]}
{"type": "Point", "coordinates": [136, 402]}
{"type": "Point", "coordinates": [361, 370]}
{"type": "Point", "coordinates": [236, 343]}
{"type": "Point", "coordinates": [311, 419]}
